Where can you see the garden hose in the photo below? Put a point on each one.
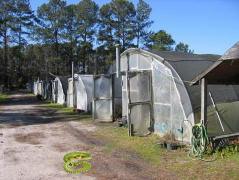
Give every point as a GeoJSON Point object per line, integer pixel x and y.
{"type": "Point", "coordinates": [77, 162]}
{"type": "Point", "coordinates": [199, 142]}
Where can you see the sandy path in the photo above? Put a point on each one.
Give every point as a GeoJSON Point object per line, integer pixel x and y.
{"type": "Point", "coordinates": [33, 141]}
{"type": "Point", "coordinates": [31, 147]}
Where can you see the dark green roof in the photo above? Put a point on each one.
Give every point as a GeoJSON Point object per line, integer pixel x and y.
{"type": "Point", "coordinates": [180, 56]}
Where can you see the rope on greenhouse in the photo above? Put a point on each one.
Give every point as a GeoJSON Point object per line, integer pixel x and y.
{"type": "Point", "coordinates": [77, 162]}
{"type": "Point", "coordinates": [199, 142]}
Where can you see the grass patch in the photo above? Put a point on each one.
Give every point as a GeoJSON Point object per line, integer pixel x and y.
{"type": "Point", "coordinates": [3, 97]}
{"type": "Point", "coordinates": [220, 168]}
{"type": "Point", "coordinates": [117, 138]}
{"type": "Point", "coordinates": [147, 148]}
{"type": "Point", "coordinates": [177, 162]}
{"type": "Point", "coordinates": [60, 108]}
{"type": "Point", "coordinates": [68, 112]}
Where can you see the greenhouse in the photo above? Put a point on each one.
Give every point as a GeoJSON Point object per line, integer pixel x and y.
{"type": "Point", "coordinates": [156, 96]}
{"type": "Point", "coordinates": [47, 90]}
{"type": "Point", "coordinates": [80, 95]}
{"type": "Point", "coordinates": [35, 84]}
{"type": "Point", "coordinates": [70, 94]}
{"type": "Point", "coordinates": [107, 96]}
{"type": "Point", "coordinates": [59, 89]}
{"type": "Point", "coordinates": [38, 88]}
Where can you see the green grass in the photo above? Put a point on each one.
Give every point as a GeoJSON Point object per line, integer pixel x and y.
{"type": "Point", "coordinates": [177, 162]}
{"type": "Point", "coordinates": [60, 108]}
{"type": "Point", "coordinates": [3, 97]}
{"type": "Point", "coordinates": [117, 138]}
{"type": "Point", "coordinates": [67, 111]}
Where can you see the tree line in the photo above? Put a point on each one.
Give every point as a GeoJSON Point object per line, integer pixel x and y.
{"type": "Point", "coordinates": [34, 43]}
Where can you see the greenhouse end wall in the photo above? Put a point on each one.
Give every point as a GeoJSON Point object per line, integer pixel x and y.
{"type": "Point", "coordinates": [167, 111]}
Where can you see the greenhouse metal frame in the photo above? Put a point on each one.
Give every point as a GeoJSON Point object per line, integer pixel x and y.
{"type": "Point", "coordinates": [173, 102]}
{"type": "Point", "coordinates": [59, 90]}
{"type": "Point", "coordinates": [80, 92]}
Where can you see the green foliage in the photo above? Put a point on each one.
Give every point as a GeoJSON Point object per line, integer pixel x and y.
{"type": "Point", "coordinates": [143, 22]}
{"type": "Point", "coordinates": [50, 22]}
{"type": "Point", "coordinates": [106, 30]}
{"type": "Point", "coordinates": [87, 17]}
{"type": "Point", "coordinates": [123, 24]}
{"type": "Point", "coordinates": [117, 23]}
{"type": "Point", "coordinates": [34, 44]}
{"type": "Point", "coordinates": [6, 26]}
{"type": "Point", "coordinates": [161, 41]}
{"type": "Point", "coordinates": [228, 151]}
{"type": "Point", "coordinates": [24, 19]}
{"type": "Point", "coordinates": [181, 47]}
{"type": "Point", "coordinates": [70, 23]}
{"type": "Point", "coordinates": [3, 97]}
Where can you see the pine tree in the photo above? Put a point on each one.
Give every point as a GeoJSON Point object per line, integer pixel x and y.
{"type": "Point", "coordinates": [50, 23]}
{"type": "Point", "coordinates": [161, 41]}
{"type": "Point", "coordinates": [123, 23]}
{"type": "Point", "coordinates": [87, 18]}
{"type": "Point", "coordinates": [24, 18]}
{"type": "Point", "coordinates": [182, 47]}
{"type": "Point", "coordinates": [143, 22]}
{"type": "Point", "coordinates": [6, 26]}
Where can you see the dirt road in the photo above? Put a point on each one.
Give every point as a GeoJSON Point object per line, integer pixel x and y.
{"type": "Point", "coordinates": [34, 139]}
{"type": "Point", "coordinates": [32, 142]}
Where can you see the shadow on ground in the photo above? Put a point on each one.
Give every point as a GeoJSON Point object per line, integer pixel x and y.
{"type": "Point", "coordinates": [23, 109]}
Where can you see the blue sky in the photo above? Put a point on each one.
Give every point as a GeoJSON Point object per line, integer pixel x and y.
{"type": "Point", "coordinates": [208, 26]}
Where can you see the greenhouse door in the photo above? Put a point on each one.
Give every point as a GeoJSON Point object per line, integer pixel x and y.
{"type": "Point", "coordinates": [56, 91]}
{"type": "Point", "coordinates": [102, 98]}
{"type": "Point", "coordinates": [70, 93]}
{"type": "Point", "coordinates": [139, 102]}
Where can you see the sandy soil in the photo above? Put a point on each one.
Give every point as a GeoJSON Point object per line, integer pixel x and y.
{"type": "Point", "coordinates": [33, 141]}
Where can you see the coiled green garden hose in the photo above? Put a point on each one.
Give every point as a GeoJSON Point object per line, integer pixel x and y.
{"type": "Point", "coordinates": [199, 143]}
{"type": "Point", "coordinates": [77, 162]}
{"type": "Point", "coordinates": [199, 140]}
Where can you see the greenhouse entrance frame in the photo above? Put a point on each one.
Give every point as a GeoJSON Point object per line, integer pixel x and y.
{"type": "Point", "coordinates": [55, 91]}
{"type": "Point", "coordinates": [103, 98]}
{"type": "Point", "coordinates": [139, 96]}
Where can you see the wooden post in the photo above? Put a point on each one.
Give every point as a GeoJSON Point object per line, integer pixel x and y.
{"type": "Point", "coordinates": [128, 98]}
{"type": "Point", "coordinates": [93, 99]}
{"type": "Point", "coordinates": [113, 96]}
{"type": "Point", "coordinates": [203, 83]}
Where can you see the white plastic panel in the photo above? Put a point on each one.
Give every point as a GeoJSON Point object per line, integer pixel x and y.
{"type": "Point", "coordinates": [70, 93]}
{"type": "Point", "coordinates": [168, 109]}
{"type": "Point", "coordinates": [60, 93]}
{"type": "Point", "coordinates": [140, 87]}
{"type": "Point", "coordinates": [140, 119]}
{"type": "Point", "coordinates": [103, 110]}
{"type": "Point", "coordinates": [81, 95]}
{"type": "Point", "coordinates": [103, 87]}
{"type": "Point", "coordinates": [103, 98]}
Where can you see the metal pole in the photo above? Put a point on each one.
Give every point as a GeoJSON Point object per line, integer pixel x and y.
{"type": "Point", "coordinates": [204, 102]}
{"type": "Point", "coordinates": [72, 69]}
{"type": "Point", "coordinates": [117, 61]}
{"type": "Point", "coordinates": [93, 99]}
{"type": "Point", "coordinates": [72, 76]}
{"type": "Point", "coordinates": [217, 113]}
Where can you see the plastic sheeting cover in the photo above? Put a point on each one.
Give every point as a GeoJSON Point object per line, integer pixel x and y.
{"type": "Point", "coordinates": [103, 98]}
